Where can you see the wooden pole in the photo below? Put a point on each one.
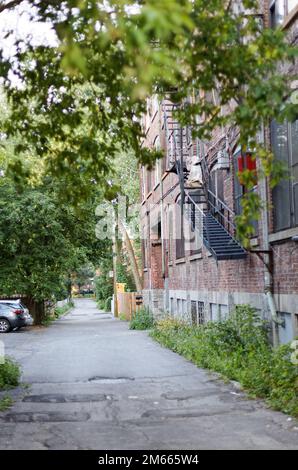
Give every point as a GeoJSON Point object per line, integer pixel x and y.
{"type": "Point", "coordinates": [132, 257]}
{"type": "Point", "coordinates": [115, 259]}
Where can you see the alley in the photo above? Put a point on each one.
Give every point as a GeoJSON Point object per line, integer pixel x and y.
{"type": "Point", "coordinates": [94, 384]}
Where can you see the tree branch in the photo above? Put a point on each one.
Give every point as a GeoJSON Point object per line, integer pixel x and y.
{"type": "Point", "coordinates": [9, 5]}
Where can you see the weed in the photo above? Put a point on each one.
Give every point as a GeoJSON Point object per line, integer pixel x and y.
{"type": "Point", "coordinates": [9, 374]}
{"type": "Point", "coordinates": [238, 349]}
{"type": "Point", "coordinates": [142, 320]}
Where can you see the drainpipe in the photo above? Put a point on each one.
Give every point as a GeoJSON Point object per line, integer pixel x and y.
{"type": "Point", "coordinates": [162, 229]}
{"type": "Point", "coordinates": [268, 277]}
{"type": "Point", "coordinates": [163, 269]}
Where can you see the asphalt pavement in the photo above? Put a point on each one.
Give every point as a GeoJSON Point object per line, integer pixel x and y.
{"type": "Point", "coordinates": [91, 383]}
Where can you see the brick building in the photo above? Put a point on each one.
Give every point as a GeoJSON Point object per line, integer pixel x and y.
{"type": "Point", "coordinates": [193, 266]}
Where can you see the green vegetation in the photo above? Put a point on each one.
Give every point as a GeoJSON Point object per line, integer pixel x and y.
{"type": "Point", "coordinates": [238, 349]}
{"type": "Point", "coordinates": [5, 402]}
{"type": "Point", "coordinates": [82, 95]}
{"type": "Point", "coordinates": [107, 305]}
{"type": "Point", "coordinates": [9, 374]}
{"type": "Point", "coordinates": [122, 316]}
{"type": "Point", "coordinates": [58, 312]}
{"type": "Point", "coordinates": [104, 283]}
{"type": "Point", "coordinates": [43, 241]}
{"type": "Point", "coordinates": [142, 320]}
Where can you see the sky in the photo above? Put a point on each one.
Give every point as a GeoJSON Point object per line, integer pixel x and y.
{"type": "Point", "coordinates": [19, 21]}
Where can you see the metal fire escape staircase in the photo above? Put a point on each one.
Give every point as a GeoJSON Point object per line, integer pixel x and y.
{"type": "Point", "coordinates": [208, 215]}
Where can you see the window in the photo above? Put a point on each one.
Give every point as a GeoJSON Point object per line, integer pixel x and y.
{"type": "Point", "coordinates": [290, 5]}
{"type": "Point", "coordinates": [197, 311]}
{"type": "Point", "coordinates": [279, 9]}
{"type": "Point", "coordinates": [172, 305]}
{"type": "Point", "coordinates": [157, 172]}
{"type": "Point", "coordinates": [214, 313]}
{"type": "Point", "coordinates": [219, 312]}
{"type": "Point", "coordinates": [169, 238]}
{"type": "Point", "coordinates": [179, 231]}
{"type": "Point", "coordinates": [193, 312]}
{"type": "Point", "coordinates": [195, 230]}
{"type": "Point", "coordinates": [157, 167]}
{"type": "Point", "coordinates": [201, 313]}
{"type": "Point", "coordinates": [145, 243]}
{"type": "Point", "coordinates": [223, 312]}
{"type": "Point", "coordinates": [285, 331]}
{"type": "Point", "coordinates": [296, 324]}
{"type": "Point", "coordinates": [143, 180]}
{"type": "Point", "coordinates": [284, 140]}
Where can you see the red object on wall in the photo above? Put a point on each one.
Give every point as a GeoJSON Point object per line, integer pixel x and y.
{"type": "Point", "coordinates": [240, 163]}
{"type": "Point", "coordinates": [251, 163]}
{"type": "Point", "coordinates": [247, 162]}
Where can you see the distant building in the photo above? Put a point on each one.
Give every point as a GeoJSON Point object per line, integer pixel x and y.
{"type": "Point", "coordinates": [204, 273]}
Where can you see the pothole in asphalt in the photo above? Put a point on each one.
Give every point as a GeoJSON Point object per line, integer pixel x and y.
{"type": "Point", "coordinates": [61, 398]}
{"type": "Point", "coordinates": [110, 380]}
{"type": "Point", "coordinates": [53, 417]}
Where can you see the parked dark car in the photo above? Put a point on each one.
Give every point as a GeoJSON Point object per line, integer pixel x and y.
{"type": "Point", "coordinates": [13, 314]}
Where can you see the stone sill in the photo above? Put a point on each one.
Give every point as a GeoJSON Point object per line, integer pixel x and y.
{"type": "Point", "coordinates": [195, 257]}
{"type": "Point", "coordinates": [180, 261]}
{"type": "Point", "coordinates": [283, 234]}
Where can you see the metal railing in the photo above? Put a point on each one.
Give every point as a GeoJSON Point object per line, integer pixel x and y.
{"type": "Point", "coordinates": [182, 143]}
{"type": "Point", "coordinates": [200, 221]}
{"type": "Point", "coordinates": [221, 212]}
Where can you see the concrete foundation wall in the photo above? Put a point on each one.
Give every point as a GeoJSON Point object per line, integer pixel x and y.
{"type": "Point", "coordinates": [218, 305]}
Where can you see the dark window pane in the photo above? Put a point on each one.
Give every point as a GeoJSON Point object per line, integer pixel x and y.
{"type": "Point", "coordinates": [295, 191]}
{"type": "Point", "coordinates": [193, 312]}
{"type": "Point", "coordinates": [294, 142]}
{"type": "Point", "coordinates": [281, 193]}
{"type": "Point", "coordinates": [238, 188]}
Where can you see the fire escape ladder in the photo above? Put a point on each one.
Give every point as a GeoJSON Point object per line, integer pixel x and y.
{"type": "Point", "coordinates": [208, 214]}
{"type": "Point", "coordinates": [176, 138]}
{"type": "Point", "coordinates": [215, 229]}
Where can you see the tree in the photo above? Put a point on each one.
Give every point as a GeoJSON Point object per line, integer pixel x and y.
{"type": "Point", "coordinates": [80, 99]}
{"type": "Point", "coordinates": [41, 243]}
{"type": "Point", "coordinates": [82, 275]}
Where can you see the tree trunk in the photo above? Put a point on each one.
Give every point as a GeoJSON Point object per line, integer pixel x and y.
{"type": "Point", "coordinates": [132, 257]}
{"type": "Point", "coordinates": [37, 310]}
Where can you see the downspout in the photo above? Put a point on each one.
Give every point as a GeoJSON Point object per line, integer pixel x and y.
{"type": "Point", "coordinates": [162, 230]}
{"type": "Point", "coordinates": [162, 204]}
{"type": "Point", "coordinates": [268, 276]}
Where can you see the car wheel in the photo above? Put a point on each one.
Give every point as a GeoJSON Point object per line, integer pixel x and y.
{"type": "Point", "coordinates": [4, 326]}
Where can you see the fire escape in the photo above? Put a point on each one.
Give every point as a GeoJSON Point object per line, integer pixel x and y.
{"type": "Point", "coordinates": [208, 214]}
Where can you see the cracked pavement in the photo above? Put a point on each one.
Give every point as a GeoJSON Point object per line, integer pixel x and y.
{"type": "Point", "coordinates": [94, 384]}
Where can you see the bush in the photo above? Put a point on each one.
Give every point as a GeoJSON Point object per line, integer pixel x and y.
{"type": "Point", "coordinates": [238, 348]}
{"type": "Point", "coordinates": [9, 374]}
{"type": "Point", "coordinates": [142, 320]}
{"type": "Point", "coordinates": [103, 287]}
{"type": "Point", "coordinates": [107, 304]}
{"type": "Point", "coordinates": [59, 311]}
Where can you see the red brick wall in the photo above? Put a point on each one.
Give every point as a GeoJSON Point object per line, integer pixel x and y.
{"type": "Point", "coordinates": [205, 274]}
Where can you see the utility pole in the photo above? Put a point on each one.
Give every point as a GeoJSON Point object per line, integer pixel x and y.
{"type": "Point", "coordinates": [132, 257]}
{"type": "Point", "coordinates": [115, 258]}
